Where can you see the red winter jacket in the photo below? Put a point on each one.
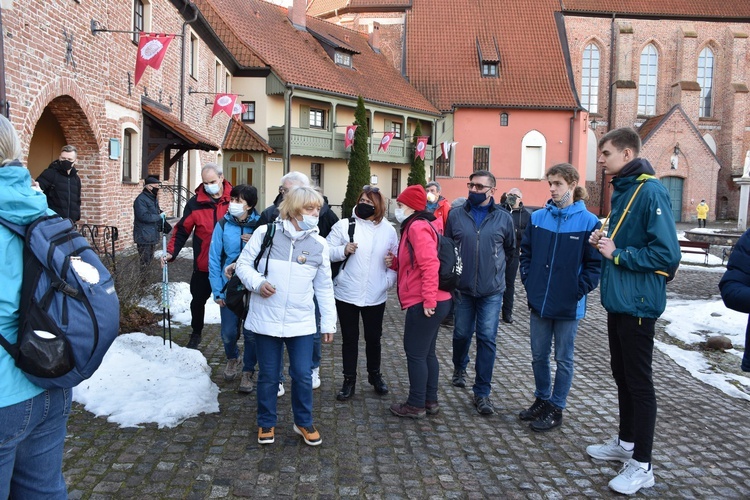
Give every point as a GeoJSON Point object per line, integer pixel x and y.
{"type": "Point", "coordinates": [418, 276]}
{"type": "Point", "coordinates": [201, 214]}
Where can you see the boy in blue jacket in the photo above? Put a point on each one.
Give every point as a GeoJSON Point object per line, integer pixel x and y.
{"type": "Point", "coordinates": [639, 250]}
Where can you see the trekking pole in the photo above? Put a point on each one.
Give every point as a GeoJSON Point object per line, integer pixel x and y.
{"type": "Point", "coordinates": [166, 320]}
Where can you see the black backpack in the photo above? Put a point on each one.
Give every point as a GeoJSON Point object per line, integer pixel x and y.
{"type": "Point", "coordinates": [336, 267]}
{"type": "Point", "coordinates": [235, 294]}
{"type": "Point", "coordinates": [69, 311]}
{"type": "Point", "coordinates": [449, 273]}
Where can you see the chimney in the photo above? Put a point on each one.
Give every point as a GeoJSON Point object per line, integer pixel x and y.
{"type": "Point", "coordinates": [375, 37]}
{"type": "Point", "coordinates": [298, 14]}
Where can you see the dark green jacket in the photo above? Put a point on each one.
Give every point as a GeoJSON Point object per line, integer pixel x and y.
{"type": "Point", "coordinates": [646, 242]}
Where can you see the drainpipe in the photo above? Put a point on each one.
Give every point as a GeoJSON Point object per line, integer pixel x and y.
{"type": "Point", "coordinates": [609, 103]}
{"type": "Point", "coordinates": [182, 100]}
{"type": "Point", "coordinates": [288, 128]}
{"type": "Point", "coordinates": [570, 139]}
{"type": "Point", "coordinates": [3, 101]}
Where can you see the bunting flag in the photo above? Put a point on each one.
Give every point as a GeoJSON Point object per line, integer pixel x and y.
{"type": "Point", "coordinates": [225, 103]}
{"type": "Point", "coordinates": [151, 50]}
{"type": "Point", "coordinates": [421, 147]}
{"type": "Point", "coordinates": [445, 148]}
{"type": "Point", "coordinates": [349, 136]}
{"type": "Point", "coordinates": [386, 141]}
{"type": "Point", "coordinates": [238, 108]}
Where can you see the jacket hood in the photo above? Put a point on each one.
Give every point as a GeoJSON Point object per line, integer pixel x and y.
{"type": "Point", "coordinates": [636, 167]}
{"type": "Point", "coordinates": [20, 203]}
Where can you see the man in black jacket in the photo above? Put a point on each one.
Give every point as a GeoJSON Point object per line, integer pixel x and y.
{"type": "Point", "coordinates": [147, 220]}
{"type": "Point", "coordinates": [61, 184]}
{"type": "Point", "coordinates": [511, 201]}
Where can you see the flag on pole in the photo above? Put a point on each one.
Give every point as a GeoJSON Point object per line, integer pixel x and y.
{"type": "Point", "coordinates": [349, 136]}
{"type": "Point", "coordinates": [225, 103]}
{"type": "Point", "coordinates": [386, 141]}
{"type": "Point", "coordinates": [445, 148]}
{"type": "Point", "coordinates": [421, 147]}
{"type": "Point", "coordinates": [151, 50]}
{"type": "Point", "coordinates": [239, 108]}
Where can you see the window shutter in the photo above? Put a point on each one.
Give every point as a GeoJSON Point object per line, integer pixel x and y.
{"type": "Point", "coordinates": [304, 116]}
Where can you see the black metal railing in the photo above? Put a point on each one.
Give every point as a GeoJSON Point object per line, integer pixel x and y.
{"type": "Point", "coordinates": [181, 195]}
{"type": "Point", "coordinates": [103, 239]}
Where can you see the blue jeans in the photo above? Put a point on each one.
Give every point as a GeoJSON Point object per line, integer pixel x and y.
{"type": "Point", "coordinates": [480, 314]}
{"type": "Point", "coordinates": [316, 344]}
{"type": "Point", "coordinates": [230, 323]}
{"type": "Point", "coordinates": [32, 436]}
{"type": "Point", "coordinates": [543, 332]}
{"type": "Point", "coordinates": [300, 369]}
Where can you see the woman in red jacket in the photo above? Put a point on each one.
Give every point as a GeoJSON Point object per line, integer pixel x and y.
{"type": "Point", "coordinates": [417, 266]}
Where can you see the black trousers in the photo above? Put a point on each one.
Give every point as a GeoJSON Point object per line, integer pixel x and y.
{"type": "Point", "coordinates": [631, 346]}
{"type": "Point", "coordinates": [146, 252]}
{"type": "Point", "coordinates": [372, 320]}
{"type": "Point", "coordinates": [510, 285]}
{"type": "Point", "coordinates": [200, 289]}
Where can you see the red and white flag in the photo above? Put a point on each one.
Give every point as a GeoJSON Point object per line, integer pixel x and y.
{"type": "Point", "coordinates": [225, 103]}
{"type": "Point", "coordinates": [239, 108]}
{"type": "Point", "coordinates": [349, 135]}
{"type": "Point", "coordinates": [151, 50]}
{"type": "Point", "coordinates": [386, 141]}
{"type": "Point", "coordinates": [445, 148]}
{"type": "Point", "coordinates": [421, 147]}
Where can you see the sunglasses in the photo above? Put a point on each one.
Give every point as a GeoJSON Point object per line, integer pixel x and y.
{"type": "Point", "coordinates": [478, 187]}
{"type": "Point", "coordinates": [370, 189]}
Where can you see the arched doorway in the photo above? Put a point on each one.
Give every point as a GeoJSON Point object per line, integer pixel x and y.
{"type": "Point", "coordinates": [674, 186]}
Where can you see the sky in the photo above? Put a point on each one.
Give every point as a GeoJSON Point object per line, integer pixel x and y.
{"type": "Point", "coordinates": [142, 381]}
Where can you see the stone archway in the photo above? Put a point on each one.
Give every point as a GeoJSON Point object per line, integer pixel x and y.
{"type": "Point", "coordinates": [63, 121]}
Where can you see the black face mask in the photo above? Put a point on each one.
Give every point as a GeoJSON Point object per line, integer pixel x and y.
{"type": "Point", "coordinates": [66, 164]}
{"type": "Point", "coordinates": [364, 211]}
{"type": "Point", "coordinates": [155, 191]}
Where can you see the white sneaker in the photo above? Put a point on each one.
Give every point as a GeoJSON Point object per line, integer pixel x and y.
{"type": "Point", "coordinates": [632, 477]}
{"type": "Point", "coordinates": [281, 390]}
{"type": "Point", "coordinates": [316, 377]}
{"type": "Point", "coordinates": [611, 450]}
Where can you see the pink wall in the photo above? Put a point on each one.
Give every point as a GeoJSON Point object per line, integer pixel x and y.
{"type": "Point", "coordinates": [481, 127]}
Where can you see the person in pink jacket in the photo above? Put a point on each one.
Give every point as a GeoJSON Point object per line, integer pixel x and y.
{"type": "Point", "coordinates": [417, 266]}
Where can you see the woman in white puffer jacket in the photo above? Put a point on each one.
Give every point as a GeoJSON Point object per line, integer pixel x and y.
{"type": "Point", "coordinates": [361, 287]}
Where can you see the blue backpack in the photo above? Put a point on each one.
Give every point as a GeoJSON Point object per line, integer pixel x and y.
{"type": "Point", "coordinates": [69, 311]}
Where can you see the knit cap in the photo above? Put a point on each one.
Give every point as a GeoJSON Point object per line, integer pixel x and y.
{"type": "Point", "coordinates": [414, 197]}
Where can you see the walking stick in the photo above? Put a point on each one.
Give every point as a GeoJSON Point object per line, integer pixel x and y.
{"type": "Point", "coordinates": [166, 320]}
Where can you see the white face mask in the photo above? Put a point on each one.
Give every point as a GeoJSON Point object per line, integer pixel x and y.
{"type": "Point", "coordinates": [400, 215]}
{"type": "Point", "coordinates": [211, 189]}
{"type": "Point", "coordinates": [236, 209]}
{"type": "Point", "coordinates": [308, 222]}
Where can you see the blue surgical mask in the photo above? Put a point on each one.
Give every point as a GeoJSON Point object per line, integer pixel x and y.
{"type": "Point", "coordinates": [211, 189]}
{"type": "Point", "coordinates": [308, 222]}
{"type": "Point", "coordinates": [477, 199]}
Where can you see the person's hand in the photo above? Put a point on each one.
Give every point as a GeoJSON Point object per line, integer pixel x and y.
{"type": "Point", "coordinates": [389, 259]}
{"type": "Point", "coordinates": [606, 247]}
{"type": "Point", "coordinates": [350, 248]}
{"type": "Point", "coordinates": [229, 270]}
{"type": "Point", "coordinates": [164, 258]}
{"type": "Point", "coordinates": [267, 289]}
{"type": "Point", "coordinates": [326, 338]}
{"type": "Point", "coordinates": [220, 302]}
{"type": "Point", "coordinates": [429, 311]}
{"type": "Point", "coordinates": [246, 237]}
{"type": "Point", "coordinates": [594, 238]}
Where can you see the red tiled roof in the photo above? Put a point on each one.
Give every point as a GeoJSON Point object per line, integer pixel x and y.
{"type": "Point", "coordinates": [240, 137]}
{"type": "Point", "coordinates": [726, 9]}
{"type": "Point", "coordinates": [178, 128]}
{"type": "Point", "coordinates": [443, 62]}
{"type": "Point", "coordinates": [328, 8]}
{"type": "Point", "coordinates": [300, 60]}
{"type": "Point", "coordinates": [649, 125]}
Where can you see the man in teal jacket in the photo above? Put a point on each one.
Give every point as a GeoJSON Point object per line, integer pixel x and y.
{"type": "Point", "coordinates": [639, 250]}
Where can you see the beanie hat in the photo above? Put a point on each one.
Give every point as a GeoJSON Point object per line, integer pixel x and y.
{"type": "Point", "coordinates": [151, 179]}
{"type": "Point", "coordinates": [413, 197]}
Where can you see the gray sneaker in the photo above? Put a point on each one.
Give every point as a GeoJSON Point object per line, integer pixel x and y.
{"type": "Point", "coordinates": [247, 384]}
{"type": "Point", "coordinates": [611, 450]}
{"type": "Point", "coordinates": [632, 477]}
{"type": "Point", "coordinates": [232, 369]}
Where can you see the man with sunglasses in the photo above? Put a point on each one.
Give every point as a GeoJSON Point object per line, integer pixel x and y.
{"type": "Point", "coordinates": [484, 233]}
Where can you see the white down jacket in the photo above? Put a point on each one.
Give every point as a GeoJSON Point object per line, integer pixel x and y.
{"type": "Point", "coordinates": [365, 280]}
{"type": "Point", "coordinates": [299, 267]}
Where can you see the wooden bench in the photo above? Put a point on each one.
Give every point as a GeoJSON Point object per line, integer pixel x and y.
{"type": "Point", "coordinates": [699, 247]}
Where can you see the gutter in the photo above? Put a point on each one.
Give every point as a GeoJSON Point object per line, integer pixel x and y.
{"type": "Point", "coordinates": [288, 94]}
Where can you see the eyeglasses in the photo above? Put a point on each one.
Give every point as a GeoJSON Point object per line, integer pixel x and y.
{"type": "Point", "coordinates": [370, 189]}
{"type": "Point", "coordinates": [478, 187]}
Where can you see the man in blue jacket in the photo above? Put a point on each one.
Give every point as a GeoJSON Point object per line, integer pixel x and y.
{"type": "Point", "coordinates": [639, 250]}
{"type": "Point", "coordinates": [484, 233]}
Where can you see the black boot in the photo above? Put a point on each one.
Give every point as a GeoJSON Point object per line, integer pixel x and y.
{"type": "Point", "coordinates": [376, 380]}
{"type": "Point", "coordinates": [195, 340]}
{"type": "Point", "coordinates": [347, 390]}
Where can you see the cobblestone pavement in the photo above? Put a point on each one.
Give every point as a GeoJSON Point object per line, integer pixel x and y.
{"type": "Point", "coordinates": [701, 447]}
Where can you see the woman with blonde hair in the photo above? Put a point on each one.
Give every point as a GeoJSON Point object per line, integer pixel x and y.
{"type": "Point", "coordinates": [284, 277]}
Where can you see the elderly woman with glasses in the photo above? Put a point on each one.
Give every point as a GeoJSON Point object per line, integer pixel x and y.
{"type": "Point", "coordinates": [362, 284]}
{"type": "Point", "coordinates": [285, 270]}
